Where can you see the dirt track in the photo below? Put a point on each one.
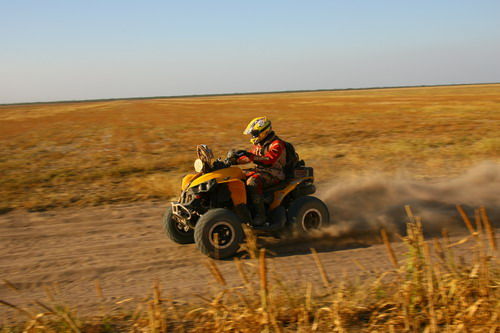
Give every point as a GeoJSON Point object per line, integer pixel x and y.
{"type": "Point", "coordinates": [123, 246]}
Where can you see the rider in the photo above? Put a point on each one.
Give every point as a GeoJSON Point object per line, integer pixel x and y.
{"type": "Point", "coordinates": [269, 154]}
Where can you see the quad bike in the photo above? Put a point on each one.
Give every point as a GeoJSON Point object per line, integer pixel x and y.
{"type": "Point", "coordinates": [213, 206]}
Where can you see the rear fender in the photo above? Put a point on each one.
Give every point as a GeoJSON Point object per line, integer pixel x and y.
{"type": "Point", "coordinates": [281, 194]}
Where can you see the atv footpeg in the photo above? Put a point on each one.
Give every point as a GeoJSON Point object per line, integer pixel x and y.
{"type": "Point", "coordinates": [269, 226]}
{"type": "Point", "coordinates": [278, 218]}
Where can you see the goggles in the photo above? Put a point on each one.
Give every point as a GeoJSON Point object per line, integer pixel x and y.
{"type": "Point", "coordinates": [255, 133]}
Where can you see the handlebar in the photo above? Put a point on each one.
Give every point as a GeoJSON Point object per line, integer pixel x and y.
{"type": "Point", "coordinates": [221, 164]}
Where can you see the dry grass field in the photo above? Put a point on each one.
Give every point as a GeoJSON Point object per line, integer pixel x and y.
{"type": "Point", "coordinates": [428, 287]}
{"type": "Point", "coordinates": [90, 153]}
{"type": "Point", "coordinates": [98, 153]}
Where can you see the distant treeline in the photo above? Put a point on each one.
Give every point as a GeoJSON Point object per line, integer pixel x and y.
{"type": "Point", "coordinates": [246, 93]}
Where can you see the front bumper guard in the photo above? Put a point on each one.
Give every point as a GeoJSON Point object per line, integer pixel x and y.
{"type": "Point", "coordinates": [181, 211]}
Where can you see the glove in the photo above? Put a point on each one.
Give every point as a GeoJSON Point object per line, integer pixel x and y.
{"type": "Point", "coordinates": [240, 153]}
{"type": "Point", "coordinates": [235, 154]}
{"type": "Point", "coordinates": [231, 157]}
{"type": "Point", "coordinates": [219, 164]}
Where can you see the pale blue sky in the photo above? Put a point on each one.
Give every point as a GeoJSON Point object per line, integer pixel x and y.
{"type": "Point", "coordinates": [65, 50]}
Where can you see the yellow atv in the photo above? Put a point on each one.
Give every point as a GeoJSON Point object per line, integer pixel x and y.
{"type": "Point", "coordinates": [213, 206]}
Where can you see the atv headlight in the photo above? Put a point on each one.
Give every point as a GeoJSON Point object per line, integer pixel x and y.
{"type": "Point", "coordinates": [198, 165]}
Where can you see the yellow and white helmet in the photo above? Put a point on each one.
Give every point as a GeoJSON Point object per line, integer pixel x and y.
{"type": "Point", "coordinates": [258, 128]}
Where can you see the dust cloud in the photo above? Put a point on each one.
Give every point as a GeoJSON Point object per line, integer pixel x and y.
{"type": "Point", "coordinates": [363, 206]}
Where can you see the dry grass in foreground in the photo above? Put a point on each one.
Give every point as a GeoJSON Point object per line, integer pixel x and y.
{"type": "Point", "coordinates": [90, 153]}
{"type": "Point", "coordinates": [430, 290]}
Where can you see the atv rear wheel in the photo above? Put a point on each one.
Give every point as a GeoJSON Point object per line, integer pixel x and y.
{"type": "Point", "coordinates": [308, 213]}
{"type": "Point", "coordinates": [176, 230]}
{"type": "Point", "coordinates": [218, 233]}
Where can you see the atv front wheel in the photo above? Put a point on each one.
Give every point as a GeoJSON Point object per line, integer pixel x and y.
{"type": "Point", "coordinates": [308, 213]}
{"type": "Point", "coordinates": [176, 230]}
{"type": "Point", "coordinates": [218, 233]}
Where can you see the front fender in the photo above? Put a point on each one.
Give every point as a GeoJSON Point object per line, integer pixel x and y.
{"type": "Point", "coordinates": [238, 191]}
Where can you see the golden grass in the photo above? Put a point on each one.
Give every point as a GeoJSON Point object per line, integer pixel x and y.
{"type": "Point", "coordinates": [429, 291]}
{"type": "Point", "coordinates": [55, 155]}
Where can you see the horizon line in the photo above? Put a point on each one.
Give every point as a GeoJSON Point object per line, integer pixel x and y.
{"type": "Point", "coordinates": [242, 93]}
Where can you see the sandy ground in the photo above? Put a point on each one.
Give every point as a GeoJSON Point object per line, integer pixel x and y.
{"type": "Point", "coordinates": [124, 248]}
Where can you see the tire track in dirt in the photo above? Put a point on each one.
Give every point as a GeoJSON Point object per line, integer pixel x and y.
{"type": "Point", "coordinates": [125, 249]}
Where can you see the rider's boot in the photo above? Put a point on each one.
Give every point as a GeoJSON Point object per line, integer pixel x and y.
{"type": "Point", "coordinates": [260, 210]}
{"type": "Point", "coordinates": [243, 213]}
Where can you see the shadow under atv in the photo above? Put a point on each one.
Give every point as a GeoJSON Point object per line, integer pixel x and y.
{"type": "Point", "coordinates": [295, 247]}
{"type": "Point", "coordinates": [302, 246]}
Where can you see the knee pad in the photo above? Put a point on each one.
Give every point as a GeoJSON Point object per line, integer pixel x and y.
{"type": "Point", "coordinates": [255, 182]}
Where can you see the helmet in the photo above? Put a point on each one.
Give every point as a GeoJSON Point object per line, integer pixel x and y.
{"type": "Point", "coordinates": [259, 128]}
